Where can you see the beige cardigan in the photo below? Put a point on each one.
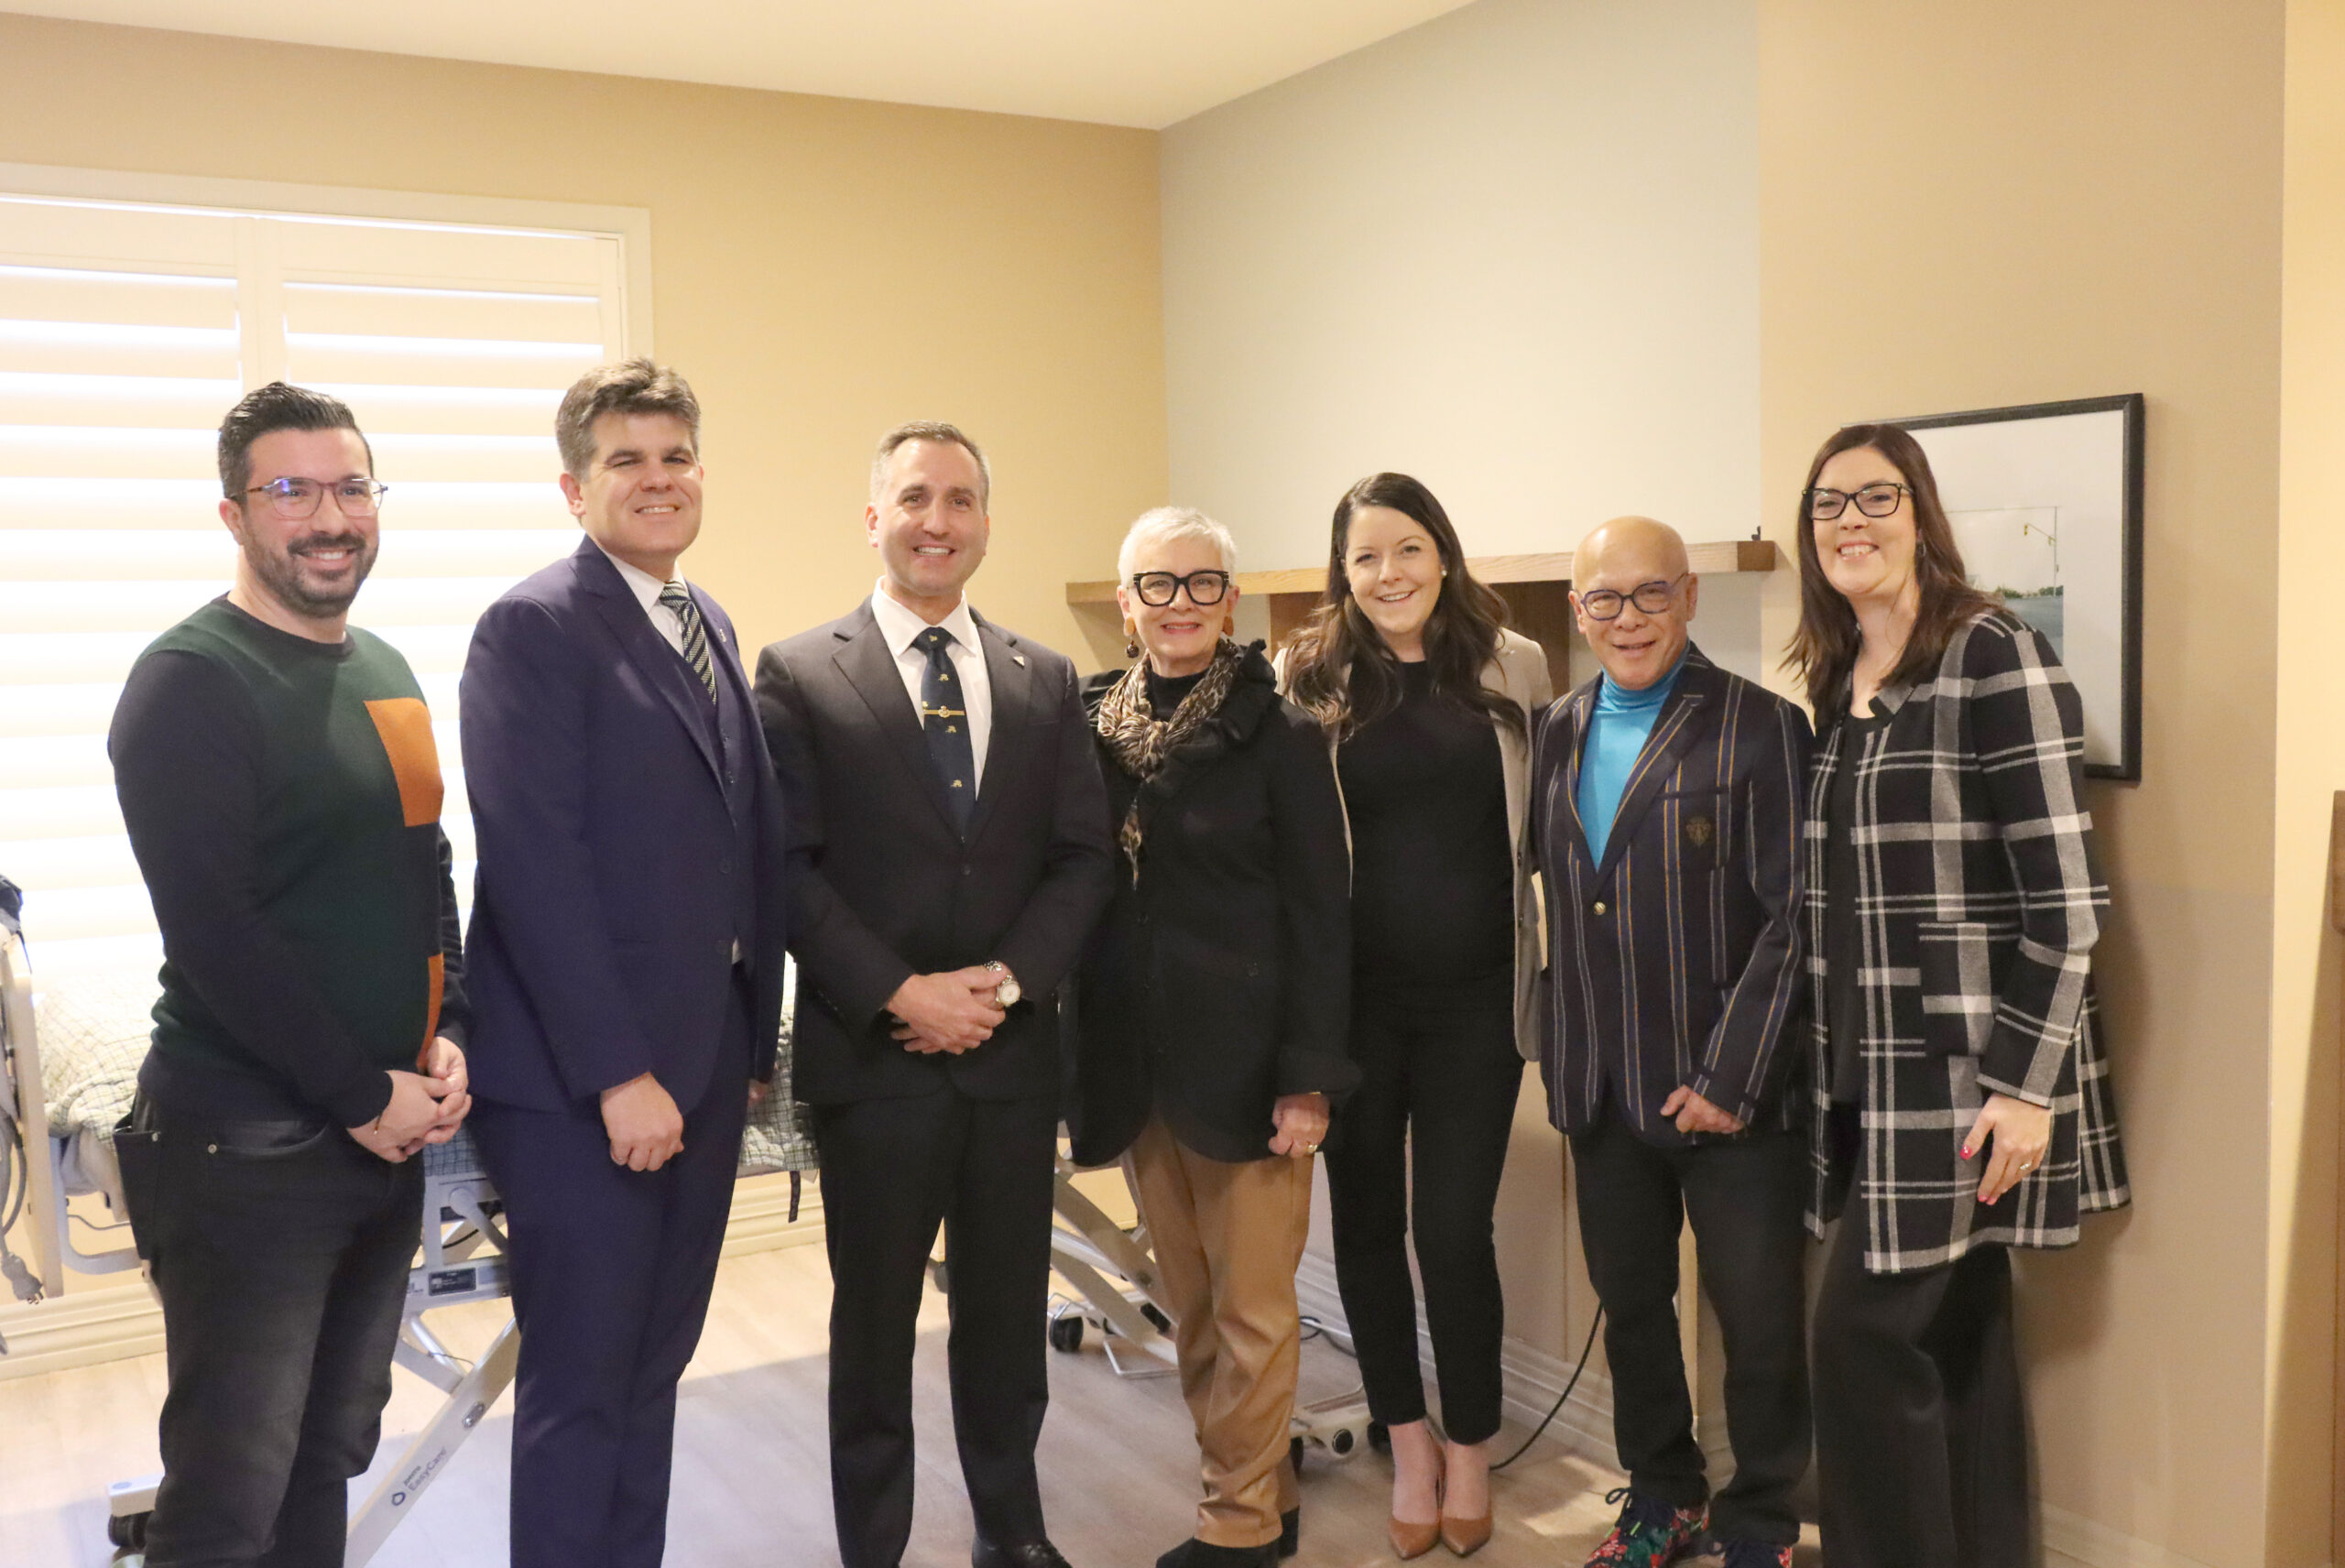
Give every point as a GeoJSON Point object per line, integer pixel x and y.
{"type": "Point", "coordinates": [1520, 671]}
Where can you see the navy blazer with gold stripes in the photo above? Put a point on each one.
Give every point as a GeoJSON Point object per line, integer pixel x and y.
{"type": "Point", "coordinates": [1677, 959]}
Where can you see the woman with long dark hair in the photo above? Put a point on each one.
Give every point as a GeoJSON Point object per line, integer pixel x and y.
{"type": "Point", "coordinates": [1427, 697]}
{"type": "Point", "coordinates": [1962, 1100]}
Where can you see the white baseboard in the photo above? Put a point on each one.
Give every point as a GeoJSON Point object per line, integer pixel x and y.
{"type": "Point", "coordinates": [106, 1323]}
{"type": "Point", "coordinates": [2072, 1540]}
{"type": "Point", "coordinates": [112, 1322]}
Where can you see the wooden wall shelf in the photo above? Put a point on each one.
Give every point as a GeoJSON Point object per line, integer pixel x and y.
{"type": "Point", "coordinates": [1536, 589]}
{"type": "Point", "coordinates": [1553, 566]}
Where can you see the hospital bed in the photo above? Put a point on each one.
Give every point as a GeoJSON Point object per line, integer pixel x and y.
{"type": "Point", "coordinates": [72, 1057]}
{"type": "Point", "coordinates": [71, 1067]}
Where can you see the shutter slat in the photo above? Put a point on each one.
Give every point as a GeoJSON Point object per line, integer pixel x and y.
{"type": "Point", "coordinates": [120, 351]}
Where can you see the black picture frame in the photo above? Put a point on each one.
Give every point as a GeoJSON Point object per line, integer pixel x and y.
{"type": "Point", "coordinates": [1998, 463]}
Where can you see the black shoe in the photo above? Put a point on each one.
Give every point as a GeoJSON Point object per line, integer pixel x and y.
{"type": "Point", "coordinates": [1196, 1553]}
{"type": "Point", "coordinates": [1291, 1531]}
{"type": "Point", "coordinates": [984, 1553]}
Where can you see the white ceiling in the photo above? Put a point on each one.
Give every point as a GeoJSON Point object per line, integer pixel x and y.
{"type": "Point", "coordinates": [1127, 62]}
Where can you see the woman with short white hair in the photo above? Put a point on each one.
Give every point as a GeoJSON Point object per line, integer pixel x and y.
{"type": "Point", "coordinates": [1212, 1008]}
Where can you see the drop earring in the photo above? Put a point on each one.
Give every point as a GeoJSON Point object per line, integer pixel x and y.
{"type": "Point", "coordinates": [1131, 640]}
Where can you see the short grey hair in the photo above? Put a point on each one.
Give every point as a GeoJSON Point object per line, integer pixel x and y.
{"type": "Point", "coordinates": [931, 431]}
{"type": "Point", "coordinates": [628, 386]}
{"type": "Point", "coordinates": [1166, 523]}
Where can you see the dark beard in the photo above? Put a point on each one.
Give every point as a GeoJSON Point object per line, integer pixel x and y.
{"type": "Point", "coordinates": [281, 574]}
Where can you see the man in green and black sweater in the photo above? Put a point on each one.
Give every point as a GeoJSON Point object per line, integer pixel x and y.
{"type": "Point", "coordinates": [278, 777]}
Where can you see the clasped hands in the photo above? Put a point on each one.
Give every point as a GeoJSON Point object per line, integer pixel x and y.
{"type": "Point", "coordinates": [951, 1013]}
{"type": "Point", "coordinates": [426, 1107]}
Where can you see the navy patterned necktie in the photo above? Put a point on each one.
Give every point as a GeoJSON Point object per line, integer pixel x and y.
{"type": "Point", "coordinates": [679, 598]}
{"type": "Point", "coordinates": [945, 720]}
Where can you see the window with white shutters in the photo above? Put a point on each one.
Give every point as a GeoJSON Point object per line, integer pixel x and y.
{"type": "Point", "coordinates": [127, 331]}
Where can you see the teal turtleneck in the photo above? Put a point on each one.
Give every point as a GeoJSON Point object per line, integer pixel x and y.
{"type": "Point", "coordinates": [1616, 733]}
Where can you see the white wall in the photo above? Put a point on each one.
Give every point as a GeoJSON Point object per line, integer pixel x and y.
{"type": "Point", "coordinates": [1514, 251]}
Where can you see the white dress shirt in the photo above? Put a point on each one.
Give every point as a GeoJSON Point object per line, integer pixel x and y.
{"type": "Point", "coordinates": [899, 625]}
{"type": "Point", "coordinates": [647, 589]}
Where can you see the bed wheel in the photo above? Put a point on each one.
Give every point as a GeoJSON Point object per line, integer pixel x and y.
{"type": "Point", "coordinates": [1380, 1437]}
{"type": "Point", "coordinates": [1343, 1442]}
{"type": "Point", "coordinates": [128, 1531]}
{"type": "Point", "coordinates": [1155, 1314]}
{"type": "Point", "coordinates": [1295, 1455]}
{"type": "Point", "coordinates": [1066, 1333]}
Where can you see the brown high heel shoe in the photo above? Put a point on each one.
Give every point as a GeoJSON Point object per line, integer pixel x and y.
{"type": "Point", "coordinates": [1411, 1539]}
{"type": "Point", "coordinates": [1463, 1535]}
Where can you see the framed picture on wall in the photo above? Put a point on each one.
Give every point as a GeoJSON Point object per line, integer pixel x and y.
{"type": "Point", "coordinates": [2045, 502]}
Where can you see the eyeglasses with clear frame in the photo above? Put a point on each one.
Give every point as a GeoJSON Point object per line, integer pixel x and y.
{"type": "Point", "coordinates": [1652, 598]}
{"type": "Point", "coordinates": [295, 499]}
{"type": "Point", "coordinates": [1158, 589]}
{"type": "Point", "coordinates": [1872, 500]}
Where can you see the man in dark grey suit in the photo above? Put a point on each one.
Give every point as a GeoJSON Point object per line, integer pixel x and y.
{"type": "Point", "coordinates": [1667, 801]}
{"type": "Point", "coordinates": [950, 855]}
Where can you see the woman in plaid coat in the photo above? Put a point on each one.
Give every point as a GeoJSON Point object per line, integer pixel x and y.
{"type": "Point", "coordinates": [1961, 1098]}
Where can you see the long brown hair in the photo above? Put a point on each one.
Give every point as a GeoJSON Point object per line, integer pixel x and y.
{"type": "Point", "coordinates": [1824, 649]}
{"type": "Point", "coordinates": [1339, 669]}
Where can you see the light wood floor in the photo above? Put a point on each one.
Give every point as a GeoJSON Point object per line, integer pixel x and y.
{"type": "Point", "coordinates": [751, 1486]}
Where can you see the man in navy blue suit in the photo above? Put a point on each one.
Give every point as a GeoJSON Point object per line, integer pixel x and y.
{"type": "Point", "coordinates": [627, 953]}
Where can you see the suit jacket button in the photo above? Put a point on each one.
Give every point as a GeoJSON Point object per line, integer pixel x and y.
{"type": "Point", "coordinates": [724, 868]}
{"type": "Point", "coordinates": [968, 870]}
{"type": "Point", "coordinates": [1600, 905]}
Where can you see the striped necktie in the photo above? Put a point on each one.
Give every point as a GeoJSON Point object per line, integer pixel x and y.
{"type": "Point", "coordinates": [944, 722]}
{"type": "Point", "coordinates": [679, 598]}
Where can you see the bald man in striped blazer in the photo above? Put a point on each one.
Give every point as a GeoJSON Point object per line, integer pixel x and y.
{"type": "Point", "coordinates": [1666, 798]}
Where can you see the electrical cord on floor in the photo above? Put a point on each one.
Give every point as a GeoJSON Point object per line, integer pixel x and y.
{"type": "Point", "coordinates": [1336, 1338]}
{"type": "Point", "coordinates": [1585, 1351]}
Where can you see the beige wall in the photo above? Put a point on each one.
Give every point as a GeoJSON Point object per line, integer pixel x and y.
{"type": "Point", "coordinates": [824, 269]}
{"type": "Point", "coordinates": [2307, 1022]}
{"type": "Point", "coordinates": [2084, 199]}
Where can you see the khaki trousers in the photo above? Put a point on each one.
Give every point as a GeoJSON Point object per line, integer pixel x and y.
{"type": "Point", "coordinates": [1227, 1239]}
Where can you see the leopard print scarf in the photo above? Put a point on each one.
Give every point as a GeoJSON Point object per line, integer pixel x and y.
{"type": "Point", "coordinates": [1141, 741]}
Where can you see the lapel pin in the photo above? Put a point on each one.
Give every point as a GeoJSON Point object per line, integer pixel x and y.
{"type": "Point", "coordinates": [1020, 659]}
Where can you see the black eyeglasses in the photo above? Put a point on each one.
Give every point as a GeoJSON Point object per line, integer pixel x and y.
{"type": "Point", "coordinates": [1872, 500]}
{"type": "Point", "coordinates": [297, 498]}
{"type": "Point", "coordinates": [1156, 589]}
{"type": "Point", "coordinates": [1652, 598]}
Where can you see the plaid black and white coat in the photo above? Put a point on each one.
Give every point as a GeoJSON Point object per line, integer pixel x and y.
{"type": "Point", "coordinates": [1978, 901]}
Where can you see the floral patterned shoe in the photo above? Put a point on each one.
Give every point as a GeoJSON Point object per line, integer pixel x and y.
{"type": "Point", "coordinates": [1650, 1534]}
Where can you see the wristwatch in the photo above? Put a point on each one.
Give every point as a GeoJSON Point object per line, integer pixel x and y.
{"type": "Point", "coordinates": [1006, 992]}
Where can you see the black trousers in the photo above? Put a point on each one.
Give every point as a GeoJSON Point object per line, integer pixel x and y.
{"type": "Point", "coordinates": [281, 1252]}
{"type": "Point", "coordinates": [1744, 1196]}
{"type": "Point", "coordinates": [892, 1171]}
{"type": "Point", "coordinates": [1422, 1141]}
{"type": "Point", "coordinates": [1921, 1429]}
{"type": "Point", "coordinates": [611, 1273]}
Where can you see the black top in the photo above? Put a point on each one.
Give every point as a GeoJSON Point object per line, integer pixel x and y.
{"type": "Point", "coordinates": [1844, 1015]}
{"type": "Point", "coordinates": [1432, 868]}
{"type": "Point", "coordinates": [283, 800]}
{"type": "Point", "coordinates": [1221, 979]}
{"type": "Point", "coordinates": [1166, 692]}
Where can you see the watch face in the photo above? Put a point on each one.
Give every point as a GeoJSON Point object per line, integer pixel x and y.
{"type": "Point", "coordinates": [1007, 993]}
